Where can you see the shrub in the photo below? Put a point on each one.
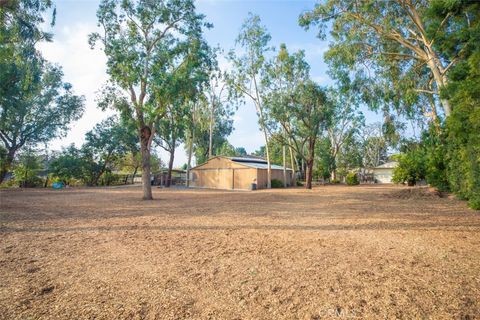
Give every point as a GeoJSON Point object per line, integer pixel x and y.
{"type": "Point", "coordinates": [411, 167]}
{"type": "Point", "coordinates": [299, 184]}
{"type": "Point", "coordinates": [277, 183]}
{"type": "Point", "coordinates": [352, 179]}
{"type": "Point", "coordinates": [26, 170]}
{"type": "Point", "coordinates": [335, 181]}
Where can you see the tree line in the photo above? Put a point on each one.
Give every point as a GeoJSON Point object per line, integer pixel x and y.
{"type": "Point", "coordinates": [415, 62]}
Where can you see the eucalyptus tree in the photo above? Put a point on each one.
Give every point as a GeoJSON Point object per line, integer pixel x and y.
{"type": "Point", "coordinates": [193, 121]}
{"type": "Point", "coordinates": [392, 46]}
{"type": "Point", "coordinates": [374, 145]}
{"type": "Point", "coordinates": [283, 74]}
{"type": "Point", "coordinates": [347, 121]}
{"type": "Point", "coordinates": [222, 129]}
{"type": "Point", "coordinates": [221, 100]}
{"type": "Point", "coordinates": [171, 131]}
{"type": "Point", "coordinates": [147, 43]}
{"type": "Point", "coordinates": [300, 122]}
{"type": "Point", "coordinates": [248, 69]}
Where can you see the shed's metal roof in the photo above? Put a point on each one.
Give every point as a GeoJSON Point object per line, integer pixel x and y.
{"type": "Point", "coordinates": [247, 159]}
{"type": "Point", "coordinates": [262, 165]}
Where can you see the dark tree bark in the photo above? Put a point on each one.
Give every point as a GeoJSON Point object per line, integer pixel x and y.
{"type": "Point", "coordinates": [311, 156]}
{"type": "Point", "coordinates": [7, 163]}
{"type": "Point", "coordinates": [170, 166]}
{"type": "Point", "coordinates": [145, 142]}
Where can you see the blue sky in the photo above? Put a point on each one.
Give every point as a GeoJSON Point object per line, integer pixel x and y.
{"type": "Point", "coordinates": [85, 68]}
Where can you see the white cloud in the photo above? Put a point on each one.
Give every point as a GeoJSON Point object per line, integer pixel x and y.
{"type": "Point", "coordinates": [85, 69]}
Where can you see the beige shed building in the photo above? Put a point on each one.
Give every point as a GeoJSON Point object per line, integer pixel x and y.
{"type": "Point", "coordinates": [235, 173]}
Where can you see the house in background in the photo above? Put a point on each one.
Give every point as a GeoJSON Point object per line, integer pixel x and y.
{"type": "Point", "coordinates": [235, 173]}
{"type": "Point", "coordinates": [384, 173]}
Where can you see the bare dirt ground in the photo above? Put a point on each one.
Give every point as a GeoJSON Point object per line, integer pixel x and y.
{"type": "Point", "coordinates": [334, 252]}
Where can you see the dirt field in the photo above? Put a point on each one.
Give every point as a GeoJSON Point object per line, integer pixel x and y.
{"type": "Point", "coordinates": [334, 252]}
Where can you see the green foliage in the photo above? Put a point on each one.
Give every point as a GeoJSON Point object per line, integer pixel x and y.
{"type": "Point", "coordinates": [335, 181]}
{"type": "Point", "coordinates": [411, 166]}
{"type": "Point", "coordinates": [35, 104]}
{"type": "Point", "coordinates": [277, 183]}
{"type": "Point", "coordinates": [384, 49]}
{"type": "Point", "coordinates": [67, 165]}
{"type": "Point", "coordinates": [459, 145]}
{"type": "Point", "coordinates": [155, 54]}
{"type": "Point", "coordinates": [352, 179]}
{"type": "Point", "coordinates": [27, 169]}
{"type": "Point", "coordinates": [463, 134]}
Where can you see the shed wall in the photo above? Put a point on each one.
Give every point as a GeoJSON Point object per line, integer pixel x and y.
{"type": "Point", "coordinates": [223, 178]}
{"type": "Point", "coordinates": [276, 174]}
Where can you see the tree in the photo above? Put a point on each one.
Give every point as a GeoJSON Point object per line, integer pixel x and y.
{"type": "Point", "coordinates": [222, 129]}
{"type": "Point", "coordinates": [392, 41]}
{"type": "Point", "coordinates": [147, 44]}
{"type": "Point", "coordinates": [346, 122]}
{"type": "Point", "coordinates": [284, 73]}
{"type": "Point", "coordinates": [68, 165]}
{"type": "Point", "coordinates": [105, 145]}
{"type": "Point", "coordinates": [374, 145]}
{"type": "Point", "coordinates": [27, 169]}
{"type": "Point", "coordinates": [298, 110]}
{"type": "Point", "coordinates": [171, 132]}
{"type": "Point", "coordinates": [35, 104]}
{"type": "Point", "coordinates": [247, 72]}
{"type": "Point", "coordinates": [221, 98]}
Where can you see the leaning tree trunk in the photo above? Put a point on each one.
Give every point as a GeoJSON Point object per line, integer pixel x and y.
{"type": "Point", "coordinates": [145, 142]}
{"type": "Point", "coordinates": [292, 162]}
{"type": "Point", "coordinates": [134, 174]}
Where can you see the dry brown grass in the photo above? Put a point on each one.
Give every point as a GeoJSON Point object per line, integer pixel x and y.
{"type": "Point", "coordinates": [333, 252]}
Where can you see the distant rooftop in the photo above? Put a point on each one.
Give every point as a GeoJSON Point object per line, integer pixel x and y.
{"type": "Point", "coordinates": [388, 165]}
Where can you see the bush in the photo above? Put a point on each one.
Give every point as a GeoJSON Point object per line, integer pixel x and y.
{"type": "Point", "coordinates": [299, 183]}
{"type": "Point", "coordinates": [277, 183]}
{"type": "Point", "coordinates": [411, 167]}
{"type": "Point", "coordinates": [352, 179]}
{"type": "Point", "coordinates": [335, 181]}
{"type": "Point", "coordinates": [26, 170]}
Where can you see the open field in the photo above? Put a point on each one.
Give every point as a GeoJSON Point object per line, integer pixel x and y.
{"type": "Point", "coordinates": [333, 252]}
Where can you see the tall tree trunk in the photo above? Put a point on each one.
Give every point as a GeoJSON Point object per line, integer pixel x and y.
{"type": "Point", "coordinates": [309, 174]}
{"type": "Point", "coordinates": [311, 156]}
{"type": "Point", "coordinates": [145, 151]}
{"type": "Point", "coordinates": [210, 138]}
{"type": "Point", "coordinates": [170, 166]}
{"type": "Point", "coordinates": [292, 163]}
{"type": "Point", "coordinates": [269, 166]}
{"type": "Point", "coordinates": [190, 153]}
{"type": "Point", "coordinates": [284, 167]}
{"type": "Point", "coordinates": [7, 164]}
